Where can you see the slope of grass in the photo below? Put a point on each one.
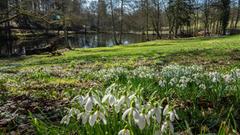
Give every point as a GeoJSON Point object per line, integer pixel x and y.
{"type": "Point", "coordinates": [39, 87]}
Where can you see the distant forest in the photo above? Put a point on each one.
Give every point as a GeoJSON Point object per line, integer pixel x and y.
{"type": "Point", "coordinates": [176, 18]}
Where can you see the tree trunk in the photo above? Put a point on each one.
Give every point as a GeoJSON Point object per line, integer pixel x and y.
{"type": "Point", "coordinates": [113, 23]}
{"type": "Point", "coordinates": [238, 15]}
{"type": "Point", "coordinates": [121, 22]}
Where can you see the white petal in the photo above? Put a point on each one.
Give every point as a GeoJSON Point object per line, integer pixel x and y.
{"type": "Point", "coordinates": [121, 132]}
{"type": "Point", "coordinates": [103, 118]}
{"type": "Point", "coordinates": [172, 116]}
{"type": "Point", "coordinates": [127, 132]}
{"type": "Point", "coordinates": [121, 100]}
{"type": "Point", "coordinates": [126, 113]}
{"type": "Point", "coordinates": [89, 105]}
{"type": "Point", "coordinates": [171, 127]}
{"type": "Point", "coordinates": [164, 127]}
{"type": "Point", "coordinates": [141, 122]}
{"type": "Point", "coordinates": [85, 118]}
{"type": "Point", "coordinates": [147, 120]}
{"type": "Point", "coordinates": [158, 115]}
{"type": "Point", "coordinates": [92, 119]}
{"type": "Point", "coordinates": [165, 111]}
{"type": "Point", "coordinates": [111, 100]}
{"type": "Point", "coordinates": [124, 132]}
{"type": "Point", "coordinates": [105, 98]}
{"type": "Point", "coordinates": [176, 115]}
{"type": "Point", "coordinates": [136, 115]}
{"type": "Point", "coordinates": [132, 96]}
{"type": "Point", "coordinates": [117, 107]}
{"type": "Point", "coordinates": [150, 113]}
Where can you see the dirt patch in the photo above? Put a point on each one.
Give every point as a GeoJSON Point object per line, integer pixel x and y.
{"type": "Point", "coordinates": [14, 116]}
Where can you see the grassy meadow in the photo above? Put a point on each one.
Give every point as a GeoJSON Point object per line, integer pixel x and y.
{"type": "Point", "coordinates": [182, 86]}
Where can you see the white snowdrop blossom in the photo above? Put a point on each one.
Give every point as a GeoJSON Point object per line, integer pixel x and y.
{"type": "Point", "coordinates": [155, 113]}
{"type": "Point", "coordinates": [124, 132]}
{"type": "Point", "coordinates": [111, 99]}
{"type": "Point", "coordinates": [120, 102]}
{"type": "Point", "coordinates": [97, 115]}
{"type": "Point", "coordinates": [131, 112]}
{"type": "Point", "coordinates": [90, 102]}
{"type": "Point", "coordinates": [162, 83]}
{"type": "Point", "coordinates": [203, 86]}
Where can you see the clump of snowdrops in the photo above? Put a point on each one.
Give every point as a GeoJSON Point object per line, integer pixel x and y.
{"type": "Point", "coordinates": [127, 112]}
{"type": "Point", "coordinates": [195, 76]}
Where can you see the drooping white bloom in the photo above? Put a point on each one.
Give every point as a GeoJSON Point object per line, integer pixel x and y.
{"type": "Point", "coordinates": [164, 127]}
{"type": "Point", "coordinates": [97, 116]}
{"type": "Point", "coordinates": [141, 121]}
{"type": "Point", "coordinates": [131, 112]}
{"type": "Point", "coordinates": [120, 102]}
{"type": "Point", "coordinates": [124, 132]}
{"type": "Point", "coordinates": [171, 128]}
{"type": "Point", "coordinates": [80, 99]}
{"type": "Point", "coordinates": [111, 99]}
{"type": "Point", "coordinates": [85, 117]}
{"type": "Point", "coordinates": [167, 126]}
{"type": "Point", "coordinates": [155, 113]}
{"type": "Point", "coordinates": [202, 86]}
{"type": "Point", "coordinates": [162, 83]}
{"type": "Point", "coordinates": [92, 119]}
{"type": "Point", "coordinates": [172, 116]}
{"type": "Point", "coordinates": [90, 101]}
{"type": "Point", "coordinates": [166, 110]}
{"type": "Point", "coordinates": [227, 78]}
{"type": "Point", "coordinates": [89, 104]}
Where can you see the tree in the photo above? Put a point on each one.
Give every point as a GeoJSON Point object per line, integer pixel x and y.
{"type": "Point", "coordinates": [238, 15]}
{"type": "Point", "coordinates": [225, 14]}
{"type": "Point", "coordinates": [113, 22]}
{"type": "Point", "coordinates": [156, 17]}
{"type": "Point", "coordinates": [179, 12]}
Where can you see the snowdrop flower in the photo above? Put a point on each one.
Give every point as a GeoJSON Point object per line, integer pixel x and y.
{"type": "Point", "coordinates": [155, 113]}
{"type": "Point", "coordinates": [79, 99]}
{"type": "Point", "coordinates": [90, 101]}
{"type": "Point", "coordinates": [141, 121]}
{"type": "Point", "coordinates": [132, 111]}
{"type": "Point", "coordinates": [97, 115]}
{"type": "Point", "coordinates": [166, 110]}
{"type": "Point", "coordinates": [85, 117]}
{"type": "Point", "coordinates": [120, 102]}
{"type": "Point", "coordinates": [202, 86]}
{"type": "Point", "coordinates": [162, 83]}
{"type": "Point", "coordinates": [111, 99]}
{"type": "Point", "coordinates": [172, 116]}
{"type": "Point", "coordinates": [124, 132]}
{"type": "Point", "coordinates": [165, 127]}
{"type": "Point", "coordinates": [228, 78]}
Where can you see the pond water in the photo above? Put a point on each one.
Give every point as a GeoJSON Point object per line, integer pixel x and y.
{"type": "Point", "coordinates": [30, 45]}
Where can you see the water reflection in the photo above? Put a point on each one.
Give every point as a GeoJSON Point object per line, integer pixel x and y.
{"type": "Point", "coordinates": [30, 45]}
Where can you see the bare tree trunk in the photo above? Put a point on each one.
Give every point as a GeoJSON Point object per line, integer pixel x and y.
{"type": "Point", "coordinates": [206, 14]}
{"type": "Point", "coordinates": [147, 18]}
{"type": "Point", "coordinates": [98, 18]}
{"type": "Point", "coordinates": [121, 22]}
{"type": "Point", "coordinates": [113, 23]}
{"type": "Point", "coordinates": [238, 15]}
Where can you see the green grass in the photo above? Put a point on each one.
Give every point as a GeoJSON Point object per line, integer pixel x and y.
{"type": "Point", "coordinates": [42, 85]}
{"type": "Point", "coordinates": [207, 49]}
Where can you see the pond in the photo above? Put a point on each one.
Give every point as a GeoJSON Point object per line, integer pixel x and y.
{"type": "Point", "coordinates": [37, 45]}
